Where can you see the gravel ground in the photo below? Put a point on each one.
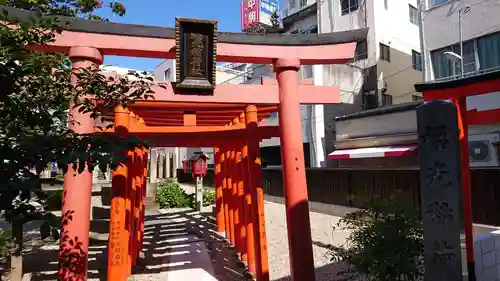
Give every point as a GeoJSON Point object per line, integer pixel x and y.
{"type": "Point", "coordinates": [322, 235]}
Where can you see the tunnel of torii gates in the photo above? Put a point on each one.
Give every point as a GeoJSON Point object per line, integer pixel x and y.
{"type": "Point", "coordinates": [227, 119]}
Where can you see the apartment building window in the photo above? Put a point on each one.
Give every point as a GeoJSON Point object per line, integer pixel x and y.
{"type": "Point", "coordinates": [361, 51]}
{"type": "Point", "coordinates": [488, 51]}
{"type": "Point", "coordinates": [416, 60]}
{"type": "Point", "coordinates": [370, 100]}
{"type": "Point", "coordinates": [414, 14]}
{"type": "Point", "coordinates": [481, 54]}
{"type": "Point", "coordinates": [386, 100]}
{"type": "Point", "coordinates": [438, 2]}
{"type": "Point", "coordinates": [292, 5]}
{"type": "Point", "coordinates": [306, 71]}
{"type": "Point", "coordinates": [385, 52]}
{"type": "Point", "coordinates": [167, 73]}
{"type": "Point", "coordinates": [303, 3]}
{"type": "Point", "coordinates": [347, 6]}
{"type": "Point", "coordinates": [416, 97]}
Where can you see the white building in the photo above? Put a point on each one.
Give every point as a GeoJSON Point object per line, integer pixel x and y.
{"type": "Point", "coordinates": [481, 45]}
{"type": "Point", "coordinates": [384, 70]}
{"type": "Point", "coordinates": [480, 32]}
{"type": "Point", "coordinates": [131, 74]}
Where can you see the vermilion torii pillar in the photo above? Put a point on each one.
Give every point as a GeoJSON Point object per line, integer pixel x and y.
{"type": "Point", "coordinates": [219, 203]}
{"type": "Point", "coordinates": [257, 195]}
{"type": "Point", "coordinates": [118, 234]}
{"type": "Point", "coordinates": [75, 226]}
{"type": "Point", "coordinates": [294, 172]}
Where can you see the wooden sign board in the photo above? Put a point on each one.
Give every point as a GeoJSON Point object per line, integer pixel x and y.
{"type": "Point", "coordinates": [196, 52]}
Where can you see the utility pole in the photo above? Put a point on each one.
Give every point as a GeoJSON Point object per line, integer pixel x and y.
{"type": "Point", "coordinates": [423, 56]}
{"type": "Point", "coordinates": [461, 11]}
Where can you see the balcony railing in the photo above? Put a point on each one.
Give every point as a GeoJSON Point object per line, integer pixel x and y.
{"type": "Point", "coordinates": [468, 74]}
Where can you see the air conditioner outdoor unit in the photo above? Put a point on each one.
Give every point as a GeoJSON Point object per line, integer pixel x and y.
{"type": "Point", "coordinates": [481, 150]}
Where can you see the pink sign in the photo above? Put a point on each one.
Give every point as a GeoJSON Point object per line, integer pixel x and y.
{"type": "Point", "coordinates": [249, 13]}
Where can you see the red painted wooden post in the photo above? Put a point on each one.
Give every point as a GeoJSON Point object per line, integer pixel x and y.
{"type": "Point", "coordinates": [247, 202]}
{"type": "Point", "coordinates": [240, 196]}
{"type": "Point", "coordinates": [461, 104]}
{"type": "Point", "coordinates": [294, 175]}
{"type": "Point", "coordinates": [138, 203]}
{"type": "Point", "coordinates": [257, 194]}
{"type": "Point", "coordinates": [231, 196]}
{"type": "Point", "coordinates": [219, 208]}
{"type": "Point", "coordinates": [118, 242]}
{"type": "Point", "coordinates": [77, 187]}
{"type": "Point", "coordinates": [236, 202]}
{"type": "Point", "coordinates": [144, 190]}
{"type": "Point", "coordinates": [129, 203]}
{"type": "Point", "coordinates": [132, 198]}
{"type": "Point", "coordinates": [225, 191]}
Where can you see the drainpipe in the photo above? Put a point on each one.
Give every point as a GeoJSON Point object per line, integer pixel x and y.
{"type": "Point", "coordinates": [317, 111]}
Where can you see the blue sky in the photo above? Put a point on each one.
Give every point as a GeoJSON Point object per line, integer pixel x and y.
{"type": "Point", "coordinates": [164, 12]}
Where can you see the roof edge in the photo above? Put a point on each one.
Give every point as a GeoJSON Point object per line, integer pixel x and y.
{"type": "Point", "coordinates": [381, 111]}
{"type": "Point", "coordinates": [99, 27]}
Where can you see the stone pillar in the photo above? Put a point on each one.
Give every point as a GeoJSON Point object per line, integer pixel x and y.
{"type": "Point", "coordinates": [439, 156]}
{"type": "Point", "coordinates": [168, 166]}
{"type": "Point", "coordinates": [198, 192]}
{"type": "Point", "coordinates": [294, 173]}
{"type": "Point", "coordinates": [177, 160]}
{"type": "Point", "coordinates": [77, 187]}
{"type": "Point", "coordinates": [161, 166]}
{"type": "Point", "coordinates": [153, 156]}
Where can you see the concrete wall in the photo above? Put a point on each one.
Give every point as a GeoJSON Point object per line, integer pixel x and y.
{"type": "Point", "coordinates": [384, 124]}
{"type": "Point", "coordinates": [487, 252]}
{"type": "Point", "coordinates": [441, 22]}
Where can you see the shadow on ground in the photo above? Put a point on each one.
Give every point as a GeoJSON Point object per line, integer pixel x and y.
{"type": "Point", "coordinates": [172, 242]}
{"type": "Point", "coordinates": [179, 236]}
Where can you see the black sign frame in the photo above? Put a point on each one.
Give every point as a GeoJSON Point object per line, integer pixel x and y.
{"type": "Point", "coordinates": [196, 55]}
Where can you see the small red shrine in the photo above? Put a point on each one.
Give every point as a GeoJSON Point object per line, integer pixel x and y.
{"type": "Point", "coordinates": [196, 165]}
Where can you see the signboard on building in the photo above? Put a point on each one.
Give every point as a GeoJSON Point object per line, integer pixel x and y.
{"type": "Point", "coordinates": [255, 12]}
{"type": "Point", "coordinates": [267, 8]}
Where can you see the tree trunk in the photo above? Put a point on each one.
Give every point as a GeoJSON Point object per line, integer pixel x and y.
{"type": "Point", "coordinates": [16, 263]}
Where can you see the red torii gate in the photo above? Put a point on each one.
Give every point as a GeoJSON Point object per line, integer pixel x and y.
{"type": "Point", "coordinates": [227, 120]}
{"type": "Point", "coordinates": [457, 91]}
